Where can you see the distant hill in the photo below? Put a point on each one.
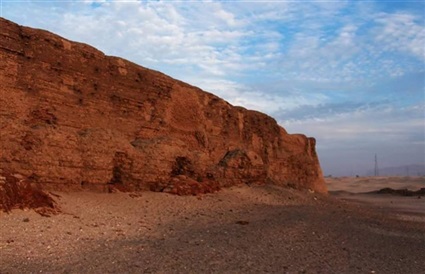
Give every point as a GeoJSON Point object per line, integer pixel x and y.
{"type": "Point", "coordinates": [407, 170]}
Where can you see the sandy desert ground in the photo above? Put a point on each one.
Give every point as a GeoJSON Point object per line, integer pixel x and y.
{"type": "Point", "coordinates": [246, 229]}
{"type": "Point", "coordinates": [360, 190]}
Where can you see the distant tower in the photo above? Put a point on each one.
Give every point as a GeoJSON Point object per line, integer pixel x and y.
{"type": "Point", "coordinates": [376, 165]}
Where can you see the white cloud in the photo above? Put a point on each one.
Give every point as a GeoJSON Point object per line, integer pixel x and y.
{"type": "Point", "coordinates": [227, 17]}
{"type": "Point", "coordinates": [401, 32]}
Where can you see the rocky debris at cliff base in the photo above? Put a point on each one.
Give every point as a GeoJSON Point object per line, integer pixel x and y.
{"type": "Point", "coordinates": [183, 185]}
{"type": "Point", "coordinates": [19, 193]}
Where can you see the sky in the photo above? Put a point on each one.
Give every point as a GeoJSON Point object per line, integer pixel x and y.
{"type": "Point", "coordinates": [349, 73]}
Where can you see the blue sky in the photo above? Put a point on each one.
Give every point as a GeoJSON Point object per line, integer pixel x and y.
{"type": "Point", "coordinates": [350, 73]}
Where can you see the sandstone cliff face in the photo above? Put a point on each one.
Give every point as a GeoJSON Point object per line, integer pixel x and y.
{"type": "Point", "coordinates": [72, 117]}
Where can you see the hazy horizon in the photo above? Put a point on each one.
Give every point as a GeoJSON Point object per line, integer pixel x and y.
{"type": "Point", "coordinates": [349, 73]}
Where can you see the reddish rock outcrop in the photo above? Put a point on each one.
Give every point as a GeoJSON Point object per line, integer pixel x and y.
{"type": "Point", "coordinates": [16, 192]}
{"type": "Point", "coordinates": [72, 117]}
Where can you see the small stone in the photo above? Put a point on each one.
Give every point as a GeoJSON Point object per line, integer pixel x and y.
{"type": "Point", "coordinates": [242, 222]}
{"type": "Point", "coordinates": [18, 176]}
{"type": "Point", "coordinates": [26, 220]}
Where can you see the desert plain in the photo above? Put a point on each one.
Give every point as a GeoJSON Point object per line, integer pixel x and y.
{"type": "Point", "coordinates": [241, 229]}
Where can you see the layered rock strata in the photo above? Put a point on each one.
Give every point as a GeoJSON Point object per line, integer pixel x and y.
{"type": "Point", "coordinates": [72, 117]}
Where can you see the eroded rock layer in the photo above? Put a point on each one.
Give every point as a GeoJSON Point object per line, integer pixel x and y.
{"type": "Point", "coordinates": [72, 117]}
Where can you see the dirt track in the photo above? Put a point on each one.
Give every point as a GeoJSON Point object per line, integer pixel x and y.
{"type": "Point", "coordinates": [238, 230]}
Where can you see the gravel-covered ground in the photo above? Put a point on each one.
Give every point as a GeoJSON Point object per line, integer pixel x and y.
{"type": "Point", "coordinates": [244, 229]}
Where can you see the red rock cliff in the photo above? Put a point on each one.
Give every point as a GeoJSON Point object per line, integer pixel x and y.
{"type": "Point", "coordinates": [73, 117]}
